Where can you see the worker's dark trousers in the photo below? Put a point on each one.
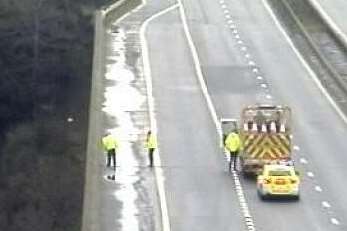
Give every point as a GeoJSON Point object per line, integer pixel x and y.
{"type": "Point", "coordinates": [150, 154]}
{"type": "Point", "coordinates": [111, 154]}
{"type": "Point", "coordinates": [233, 160]}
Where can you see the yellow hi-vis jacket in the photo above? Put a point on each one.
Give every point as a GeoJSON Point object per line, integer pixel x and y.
{"type": "Point", "coordinates": [109, 142]}
{"type": "Point", "coordinates": [233, 142]}
{"type": "Point", "coordinates": [151, 141]}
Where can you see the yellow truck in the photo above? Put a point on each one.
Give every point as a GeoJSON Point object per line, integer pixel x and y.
{"type": "Point", "coordinates": [265, 132]}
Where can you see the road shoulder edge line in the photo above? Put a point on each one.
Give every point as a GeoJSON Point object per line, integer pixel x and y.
{"type": "Point", "coordinates": [148, 77]}
{"type": "Point", "coordinates": [311, 73]}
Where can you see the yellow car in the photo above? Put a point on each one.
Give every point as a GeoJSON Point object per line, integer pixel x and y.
{"type": "Point", "coordinates": [278, 180]}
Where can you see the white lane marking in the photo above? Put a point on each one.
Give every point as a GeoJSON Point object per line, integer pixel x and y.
{"type": "Point", "coordinates": [247, 56]}
{"type": "Point", "coordinates": [330, 21]}
{"type": "Point", "coordinates": [244, 48]}
{"type": "Point", "coordinates": [310, 174]}
{"type": "Point", "coordinates": [263, 85]}
{"type": "Point", "coordinates": [227, 16]}
{"type": "Point", "coordinates": [268, 96]}
{"type": "Point", "coordinates": [303, 161]}
{"type": "Point", "coordinates": [148, 76]}
{"type": "Point", "coordinates": [224, 6]}
{"type": "Point", "coordinates": [334, 221]}
{"type": "Point", "coordinates": [230, 21]}
{"type": "Point", "coordinates": [237, 36]}
{"type": "Point", "coordinates": [255, 70]}
{"type": "Point", "coordinates": [197, 67]}
{"type": "Point", "coordinates": [221, 2]}
{"type": "Point", "coordinates": [212, 110]}
{"type": "Point", "coordinates": [226, 12]}
{"type": "Point", "coordinates": [232, 26]}
{"type": "Point", "coordinates": [326, 204]}
{"type": "Point", "coordinates": [240, 42]}
{"type": "Point", "coordinates": [251, 63]}
{"type": "Point", "coordinates": [304, 63]}
{"type": "Point", "coordinates": [318, 188]}
{"type": "Point", "coordinates": [259, 77]}
{"type": "Point", "coordinates": [235, 31]}
{"type": "Point", "coordinates": [296, 148]}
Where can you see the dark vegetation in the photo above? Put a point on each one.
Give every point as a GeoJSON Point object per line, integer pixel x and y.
{"type": "Point", "coordinates": [45, 71]}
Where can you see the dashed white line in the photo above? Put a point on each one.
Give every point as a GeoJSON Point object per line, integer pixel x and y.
{"type": "Point", "coordinates": [326, 204]}
{"type": "Point", "coordinates": [268, 96]}
{"type": "Point", "coordinates": [263, 85]}
{"type": "Point", "coordinates": [226, 12]}
{"type": "Point", "coordinates": [224, 6]}
{"type": "Point", "coordinates": [240, 42]}
{"type": "Point", "coordinates": [235, 31]}
{"type": "Point", "coordinates": [251, 63]}
{"type": "Point", "coordinates": [212, 110]}
{"type": "Point", "coordinates": [255, 70]}
{"type": "Point", "coordinates": [259, 77]}
{"type": "Point", "coordinates": [230, 21]}
{"type": "Point", "coordinates": [247, 56]}
{"type": "Point", "coordinates": [227, 16]}
{"type": "Point", "coordinates": [334, 221]}
{"type": "Point", "coordinates": [303, 161]}
{"type": "Point", "coordinates": [310, 174]}
{"type": "Point", "coordinates": [318, 188]}
{"type": "Point", "coordinates": [296, 147]}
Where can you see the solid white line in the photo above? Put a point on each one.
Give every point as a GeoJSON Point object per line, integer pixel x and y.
{"type": "Point", "coordinates": [198, 69]}
{"type": "Point", "coordinates": [304, 63]}
{"type": "Point", "coordinates": [342, 36]}
{"type": "Point", "coordinates": [197, 65]}
{"type": "Point", "coordinates": [153, 124]}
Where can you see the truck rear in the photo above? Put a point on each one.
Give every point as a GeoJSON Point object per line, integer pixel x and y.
{"type": "Point", "coordinates": [266, 137]}
{"type": "Point", "coordinates": [265, 133]}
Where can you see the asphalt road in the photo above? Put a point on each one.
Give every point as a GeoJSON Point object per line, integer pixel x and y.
{"type": "Point", "coordinates": [201, 195]}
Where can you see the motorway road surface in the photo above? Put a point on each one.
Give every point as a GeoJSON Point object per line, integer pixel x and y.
{"type": "Point", "coordinates": [200, 193]}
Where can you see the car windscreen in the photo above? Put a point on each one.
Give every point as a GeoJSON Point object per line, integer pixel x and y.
{"type": "Point", "coordinates": [279, 173]}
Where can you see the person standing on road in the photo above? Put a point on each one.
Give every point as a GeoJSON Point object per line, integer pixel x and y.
{"type": "Point", "coordinates": [151, 145]}
{"type": "Point", "coordinates": [110, 145]}
{"type": "Point", "coordinates": [233, 145]}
